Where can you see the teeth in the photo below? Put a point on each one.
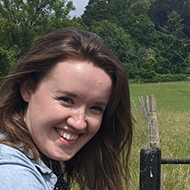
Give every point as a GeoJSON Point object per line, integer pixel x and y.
{"type": "Point", "coordinates": [67, 135]}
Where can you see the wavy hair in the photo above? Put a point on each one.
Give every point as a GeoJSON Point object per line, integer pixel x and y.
{"type": "Point", "coordinates": [103, 162]}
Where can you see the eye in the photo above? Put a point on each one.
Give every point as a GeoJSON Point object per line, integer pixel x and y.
{"type": "Point", "coordinates": [97, 109]}
{"type": "Point", "coordinates": [67, 100]}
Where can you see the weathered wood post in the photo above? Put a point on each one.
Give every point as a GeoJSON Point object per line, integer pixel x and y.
{"type": "Point", "coordinates": [148, 107]}
{"type": "Point", "coordinates": [141, 103]}
{"type": "Point", "coordinates": [133, 103]}
{"type": "Point", "coordinates": [154, 132]}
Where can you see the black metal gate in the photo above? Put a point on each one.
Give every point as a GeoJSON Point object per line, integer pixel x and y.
{"type": "Point", "coordinates": [150, 168]}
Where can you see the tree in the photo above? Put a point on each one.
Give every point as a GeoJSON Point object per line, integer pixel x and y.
{"type": "Point", "coordinates": [23, 21]}
{"type": "Point", "coordinates": [160, 10]}
{"type": "Point", "coordinates": [174, 25]}
{"type": "Point", "coordinates": [142, 29]}
{"type": "Point", "coordinates": [162, 25]}
{"type": "Point", "coordinates": [171, 54]}
{"type": "Point", "coordinates": [172, 51]}
{"type": "Point", "coordinates": [96, 10]}
{"type": "Point", "coordinates": [7, 57]}
{"type": "Point", "coordinates": [131, 15]}
{"type": "Point", "coordinates": [127, 49]}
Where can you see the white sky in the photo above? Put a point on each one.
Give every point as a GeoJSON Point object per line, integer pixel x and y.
{"type": "Point", "coordinates": [80, 6]}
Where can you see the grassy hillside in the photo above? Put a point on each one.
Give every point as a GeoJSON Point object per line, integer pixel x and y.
{"type": "Point", "coordinates": [173, 112]}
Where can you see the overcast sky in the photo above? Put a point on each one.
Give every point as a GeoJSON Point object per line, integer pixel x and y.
{"type": "Point", "coordinates": [80, 6]}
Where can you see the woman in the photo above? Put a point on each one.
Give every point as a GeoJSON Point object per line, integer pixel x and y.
{"type": "Point", "coordinates": [67, 100]}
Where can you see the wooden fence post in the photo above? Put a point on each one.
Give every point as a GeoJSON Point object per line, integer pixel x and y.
{"type": "Point", "coordinates": [154, 133]}
{"type": "Point", "coordinates": [133, 103]}
{"type": "Point", "coordinates": [149, 109]}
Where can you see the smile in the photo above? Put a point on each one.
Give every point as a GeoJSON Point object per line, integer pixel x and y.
{"type": "Point", "coordinates": [66, 135]}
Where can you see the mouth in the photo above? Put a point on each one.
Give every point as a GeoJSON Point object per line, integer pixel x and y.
{"type": "Point", "coordinates": [66, 135]}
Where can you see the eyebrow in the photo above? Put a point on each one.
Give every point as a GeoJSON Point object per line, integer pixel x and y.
{"type": "Point", "coordinates": [73, 95]}
{"type": "Point", "coordinates": [66, 93]}
{"type": "Point", "coordinates": [101, 103]}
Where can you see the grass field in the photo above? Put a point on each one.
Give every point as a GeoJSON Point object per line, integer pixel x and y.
{"type": "Point", "coordinates": [169, 96]}
{"type": "Point", "coordinates": [173, 113]}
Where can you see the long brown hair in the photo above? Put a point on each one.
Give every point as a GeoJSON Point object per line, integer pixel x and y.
{"type": "Point", "coordinates": [103, 162]}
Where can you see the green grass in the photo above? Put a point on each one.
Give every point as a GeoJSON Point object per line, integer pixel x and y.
{"type": "Point", "coordinates": [173, 113]}
{"type": "Point", "coordinates": [169, 96]}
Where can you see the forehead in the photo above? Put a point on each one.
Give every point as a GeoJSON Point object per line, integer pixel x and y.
{"type": "Point", "coordinates": [79, 75]}
{"type": "Point", "coordinates": [77, 66]}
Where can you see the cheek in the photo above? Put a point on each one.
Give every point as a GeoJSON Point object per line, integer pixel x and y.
{"type": "Point", "coordinates": [96, 126]}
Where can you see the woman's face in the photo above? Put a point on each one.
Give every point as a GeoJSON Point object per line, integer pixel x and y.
{"type": "Point", "coordinates": [66, 109]}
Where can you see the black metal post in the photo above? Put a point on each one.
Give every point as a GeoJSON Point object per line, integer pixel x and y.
{"type": "Point", "coordinates": [150, 169]}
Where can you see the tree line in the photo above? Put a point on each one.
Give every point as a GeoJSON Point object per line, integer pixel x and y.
{"type": "Point", "coordinates": [150, 37]}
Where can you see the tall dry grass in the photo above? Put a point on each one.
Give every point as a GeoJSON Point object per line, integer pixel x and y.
{"type": "Point", "coordinates": [174, 129]}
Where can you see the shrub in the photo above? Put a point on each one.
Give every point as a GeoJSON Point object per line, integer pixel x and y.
{"type": "Point", "coordinates": [169, 77]}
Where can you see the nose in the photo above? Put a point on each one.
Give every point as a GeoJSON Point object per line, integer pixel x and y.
{"type": "Point", "coordinates": [77, 119]}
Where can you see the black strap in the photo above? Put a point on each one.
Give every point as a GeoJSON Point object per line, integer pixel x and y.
{"type": "Point", "coordinates": [57, 170]}
{"type": "Point", "coordinates": [55, 166]}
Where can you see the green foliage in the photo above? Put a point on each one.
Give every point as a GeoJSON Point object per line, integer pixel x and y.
{"type": "Point", "coordinates": [142, 29]}
{"type": "Point", "coordinates": [174, 25]}
{"type": "Point", "coordinates": [128, 27]}
{"type": "Point", "coordinates": [169, 77]}
{"type": "Point", "coordinates": [7, 58]}
{"type": "Point", "coordinates": [171, 52]}
{"type": "Point", "coordinates": [140, 7]}
{"type": "Point", "coordinates": [22, 22]}
{"type": "Point", "coordinates": [152, 77]}
{"type": "Point", "coordinates": [147, 70]}
{"type": "Point", "coordinates": [116, 38]}
{"type": "Point", "coordinates": [161, 9]}
{"type": "Point", "coordinates": [121, 44]}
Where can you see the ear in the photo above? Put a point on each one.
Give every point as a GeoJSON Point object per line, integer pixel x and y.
{"type": "Point", "coordinates": [26, 91]}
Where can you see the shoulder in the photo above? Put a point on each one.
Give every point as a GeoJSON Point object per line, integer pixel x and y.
{"type": "Point", "coordinates": [9, 154]}
{"type": "Point", "coordinates": [18, 172]}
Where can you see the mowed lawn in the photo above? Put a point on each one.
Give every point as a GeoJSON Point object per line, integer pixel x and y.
{"type": "Point", "coordinates": [173, 113]}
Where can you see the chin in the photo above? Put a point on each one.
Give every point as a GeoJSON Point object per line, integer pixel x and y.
{"type": "Point", "coordinates": [63, 158]}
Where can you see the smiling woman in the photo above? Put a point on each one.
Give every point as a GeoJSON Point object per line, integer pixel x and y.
{"type": "Point", "coordinates": [68, 120]}
{"type": "Point", "coordinates": [66, 101]}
